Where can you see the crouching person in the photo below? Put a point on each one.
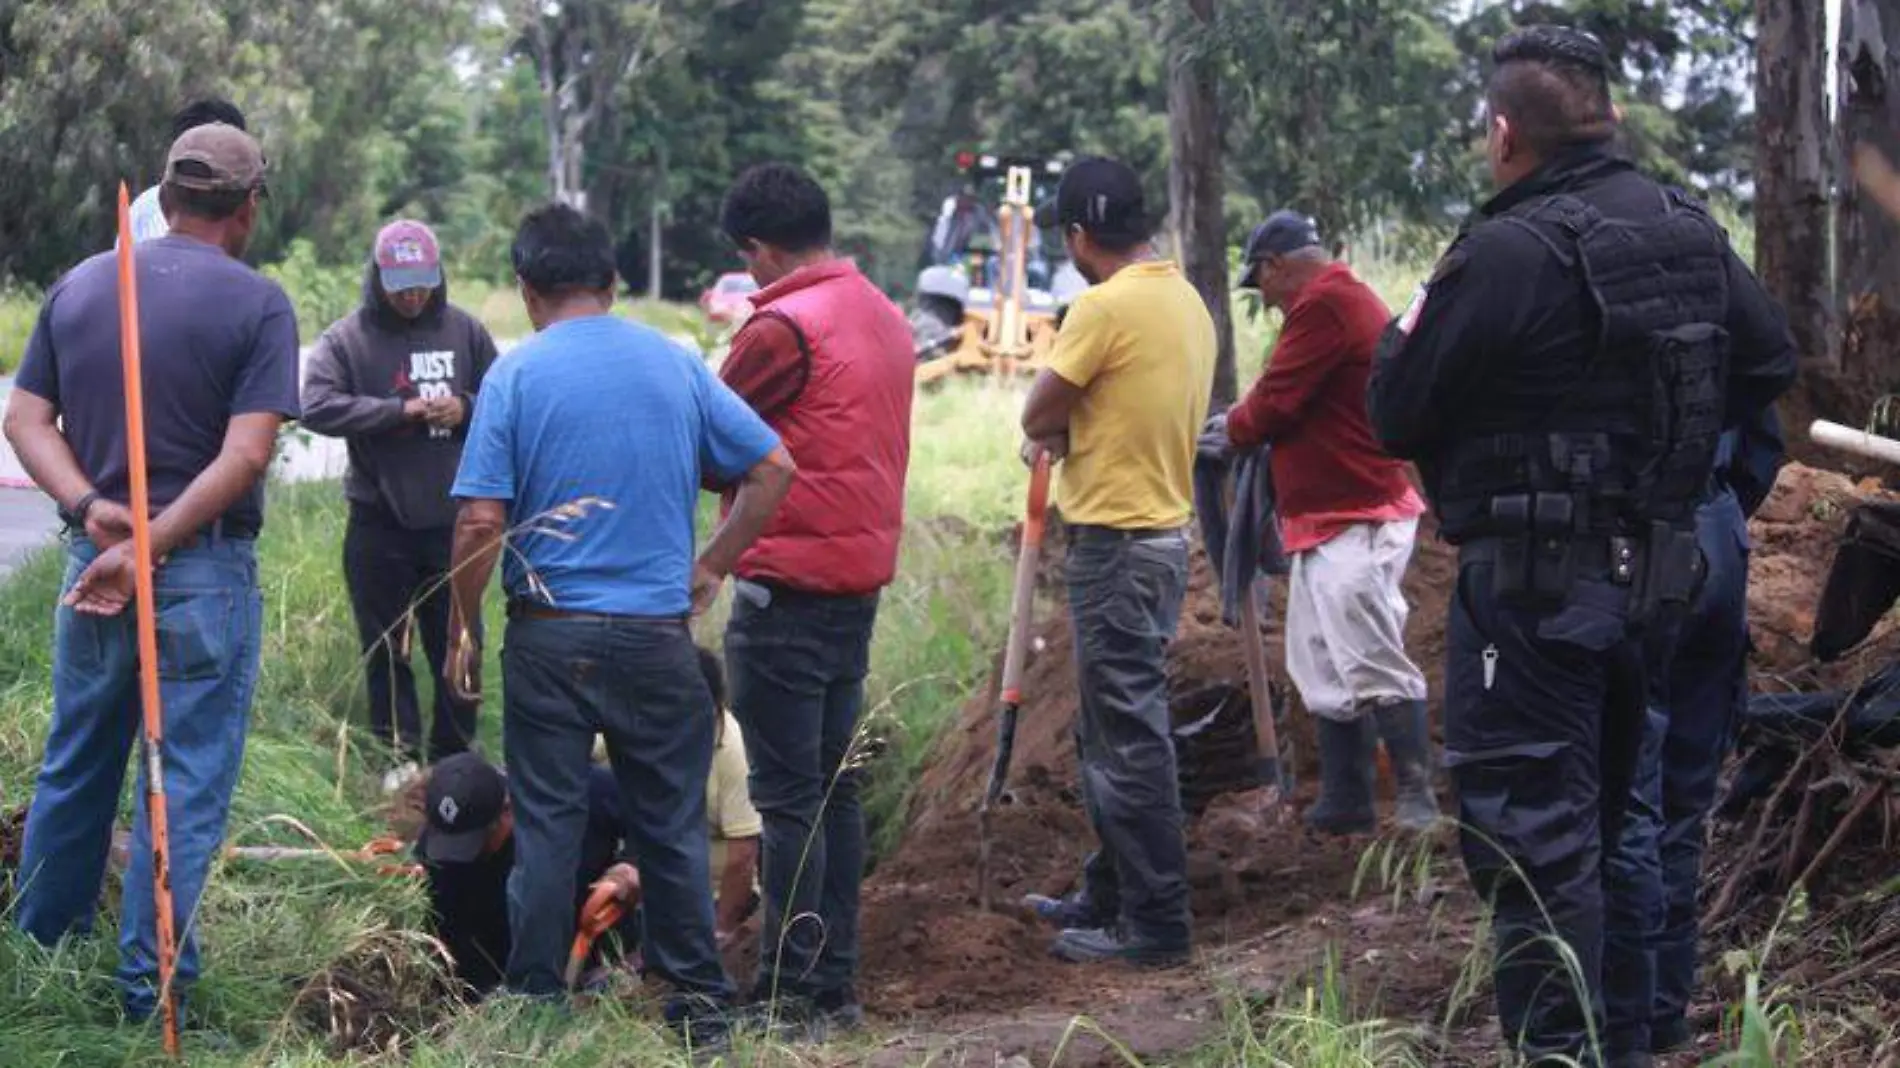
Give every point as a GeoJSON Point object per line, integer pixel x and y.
{"type": "Point", "coordinates": [587, 454]}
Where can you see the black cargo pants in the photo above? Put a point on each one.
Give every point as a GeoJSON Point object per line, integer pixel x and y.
{"type": "Point", "coordinates": [1544, 715]}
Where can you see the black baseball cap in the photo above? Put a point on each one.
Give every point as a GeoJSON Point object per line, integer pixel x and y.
{"type": "Point", "coordinates": [1102, 196]}
{"type": "Point", "coordinates": [464, 798]}
{"type": "Point", "coordinates": [1284, 231]}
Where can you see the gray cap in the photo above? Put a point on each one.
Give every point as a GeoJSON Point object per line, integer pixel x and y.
{"type": "Point", "coordinates": [216, 158]}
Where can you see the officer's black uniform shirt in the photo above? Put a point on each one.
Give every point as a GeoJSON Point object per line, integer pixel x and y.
{"type": "Point", "coordinates": [1506, 328]}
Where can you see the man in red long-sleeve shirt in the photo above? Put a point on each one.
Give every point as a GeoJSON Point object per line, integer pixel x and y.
{"type": "Point", "coordinates": [1348, 517]}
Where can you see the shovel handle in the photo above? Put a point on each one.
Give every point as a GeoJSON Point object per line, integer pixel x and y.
{"type": "Point", "coordinates": [1023, 597]}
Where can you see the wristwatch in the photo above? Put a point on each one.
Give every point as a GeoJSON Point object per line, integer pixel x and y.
{"type": "Point", "coordinates": [75, 519]}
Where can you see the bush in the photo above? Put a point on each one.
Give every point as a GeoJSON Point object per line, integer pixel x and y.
{"type": "Point", "coordinates": [321, 293]}
{"type": "Point", "coordinates": [19, 308]}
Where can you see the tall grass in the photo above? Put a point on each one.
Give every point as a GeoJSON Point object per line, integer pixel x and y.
{"type": "Point", "coordinates": [19, 309]}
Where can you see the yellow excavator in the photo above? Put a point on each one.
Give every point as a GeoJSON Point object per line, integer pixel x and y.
{"type": "Point", "coordinates": [987, 302]}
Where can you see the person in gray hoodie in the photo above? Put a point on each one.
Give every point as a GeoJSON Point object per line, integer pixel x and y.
{"type": "Point", "coordinates": [397, 380]}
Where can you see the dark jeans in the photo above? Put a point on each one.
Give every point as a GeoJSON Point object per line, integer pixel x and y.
{"type": "Point", "coordinates": [796, 663]}
{"type": "Point", "coordinates": [638, 683]}
{"type": "Point", "coordinates": [1125, 594]}
{"type": "Point", "coordinates": [1542, 753]}
{"type": "Point", "coordinates": [1698, 699]}
{"type": "Point", "coordinates": [398, 582]}
{"type": "Point", "coordinates": [210, 615]}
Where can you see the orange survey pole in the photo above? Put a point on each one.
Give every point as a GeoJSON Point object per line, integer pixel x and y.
{"type": "Point", "coordinates": [147, 623]}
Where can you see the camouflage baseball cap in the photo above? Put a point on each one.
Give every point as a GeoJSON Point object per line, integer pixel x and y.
{"type": "Point", "coordinates": [215, 159]}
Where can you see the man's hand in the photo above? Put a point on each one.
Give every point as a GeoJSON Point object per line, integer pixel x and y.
{"type": "Point", "coordinates": [446, 413]}
{"type": "Point", "coordinates": [415, 409]}
{"type": "Point", "coordinates": [1056, 448]}
{"type": "Point", "coordinates": [706, 584]}
{"type": "Point", "coordinates": [463, 672]}
{"type": "Point", "coordinates": [625, 879]}
{"type": "Point", "coordinates": [108, 583]}
{"type": "Point", "coordinates": [108, 523]}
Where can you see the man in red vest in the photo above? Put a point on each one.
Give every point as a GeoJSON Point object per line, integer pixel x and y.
{"type": "Point", "coordinates": [826, 360]}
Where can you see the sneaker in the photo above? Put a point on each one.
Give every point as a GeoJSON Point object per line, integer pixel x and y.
{"type": "Point", "coordinates": [1106, 944]}
{"type": "Point", "coordinates": [397, 779]}
{"type": "Point", "coordinates": [1065, 913]}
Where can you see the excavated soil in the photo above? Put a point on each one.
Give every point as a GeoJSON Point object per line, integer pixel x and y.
{"type": "Point", "coordinates": [1269, 900]}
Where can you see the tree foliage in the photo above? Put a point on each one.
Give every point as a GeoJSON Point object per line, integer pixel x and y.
{"type": "Point", "coordinates": [467, 112]}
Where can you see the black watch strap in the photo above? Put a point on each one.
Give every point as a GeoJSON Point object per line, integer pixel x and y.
{"type": "Point", "coordinates": [76, 518]}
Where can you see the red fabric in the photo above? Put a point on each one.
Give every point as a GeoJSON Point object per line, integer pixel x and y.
{"type": "Point", "coordinates": [845, 420]}
{"type": "Point", "coordinates": [1303, 533]}
{"type": "Point", "coordinates": [1310, 405]}
{"type": "Point", "coordinates": [765, 365]}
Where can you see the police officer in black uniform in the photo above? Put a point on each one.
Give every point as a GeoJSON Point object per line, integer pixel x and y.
{"type": "Point", "coordinates": [1562, 382]}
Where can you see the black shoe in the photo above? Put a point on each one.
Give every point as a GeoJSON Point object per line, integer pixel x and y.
{"type": "Point", "coordinates": [1066, 913]}
{"type": "Point", "coordinates": [1107, 944]}
{"type": "Point", "coordinates": [841, 1008]}
{"type": "Point", "coordinates": [1347, 752]}
{"type": "Point", "coordinates": [1668, 1036]}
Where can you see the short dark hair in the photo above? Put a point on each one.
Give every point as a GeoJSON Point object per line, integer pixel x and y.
{"type": "Point", "coordinates": [778, 205]}
{"type": "Point", "coordinates": [558, 249]}
{"type": "Point", "coordinates": [715, 672]}
{"type": "Point", "coordinates": [211, 205]}
{"type": "Point", "coordinates": [205, 112]}
{"type": "Point", "coordinates": [1553, 84]}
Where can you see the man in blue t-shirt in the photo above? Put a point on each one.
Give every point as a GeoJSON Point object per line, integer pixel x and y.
{"type": "Point", "coordinates": [220, 361]}
{"type": "Point", "coordinates": [586, 457]}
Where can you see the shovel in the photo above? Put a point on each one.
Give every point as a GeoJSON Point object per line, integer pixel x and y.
{"type": "Point", "coordinates": [1015, 654]}
{"type": "Point", "coordinates": [603, 910]}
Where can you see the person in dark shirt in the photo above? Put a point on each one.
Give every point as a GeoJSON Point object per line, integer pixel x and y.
{"type": "Point", "coordinates": [397, 380]}
{"type": "Point", "coordinates": [1562, 382]}
{"type": "Point", "coordinates": [220, 376]}
{"type": "Point", "coordinates": [467, 850]}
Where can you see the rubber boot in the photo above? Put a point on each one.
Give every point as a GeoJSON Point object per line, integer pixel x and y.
{"type": "Point", "coordinates": [1408, 742]}
{"type": "Point", "coordinates": [1347, 752]}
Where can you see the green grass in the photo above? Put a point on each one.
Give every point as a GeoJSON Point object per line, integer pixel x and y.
{"type": "Point", "coordinates": [270, 932]}
{"type": "Point", "coordinates": [19, 309]}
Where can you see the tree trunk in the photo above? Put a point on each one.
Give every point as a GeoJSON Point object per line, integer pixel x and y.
{"type": "Point", "coordinates": [655, 232]}
{"type": "Point", "coordinates": [1869, 239]}
{"type": "Point", "coordinates": [1793, 171]}
{"type": "Point", "coordinates": [1195, 185]}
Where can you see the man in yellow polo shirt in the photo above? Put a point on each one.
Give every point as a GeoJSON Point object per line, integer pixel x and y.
{"type": "Point", "coordinates": [1121, 404]}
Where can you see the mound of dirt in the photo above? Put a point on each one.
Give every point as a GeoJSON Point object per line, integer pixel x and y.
{"type": "Point", "coordinates": [929, 951]}
{"type": "Point", "coordinates": [927, 947]}
{"type": "Point", "coordinates": [1793, 537]}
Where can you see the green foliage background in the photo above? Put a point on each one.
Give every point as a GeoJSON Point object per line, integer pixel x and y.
{"type": "Point", "coordinates": [1365, 113]}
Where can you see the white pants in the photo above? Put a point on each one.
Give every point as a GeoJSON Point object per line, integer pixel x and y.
{"type": "Point", "coordinates": [1345, 621]}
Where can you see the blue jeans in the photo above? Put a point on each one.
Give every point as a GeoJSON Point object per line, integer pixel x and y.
{"type": "Point", "coordinates": [796, 663]}
{"type": "Point", "coordinates": [1633, 901]}
{"type": "Point", "coordinates": [637, 683]}
{"type": "Point", "coordinates": [210, 615]}
{"type": "Point", "coordinates": [1125, 594]}
{"type": "Point", "coordinates": [1699, 699]}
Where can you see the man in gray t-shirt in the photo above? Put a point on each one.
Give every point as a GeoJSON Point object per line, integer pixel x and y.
{"type": "Point", "coordinates": [219, 343]}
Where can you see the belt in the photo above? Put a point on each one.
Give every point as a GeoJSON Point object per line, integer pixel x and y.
{"type": "Point", "coordinates": [1617, 557]}
{"type": "Point", "coordinates": [1092, 532]}
{"type": "Point", "coordinates": [522, 608]}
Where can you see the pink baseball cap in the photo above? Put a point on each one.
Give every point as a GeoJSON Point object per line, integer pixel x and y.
{"type": "Point", "coordinates": [408, 257]}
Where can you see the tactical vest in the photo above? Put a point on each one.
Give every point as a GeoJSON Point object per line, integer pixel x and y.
{"type": "Point", "coordinates": [1633, 440]}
